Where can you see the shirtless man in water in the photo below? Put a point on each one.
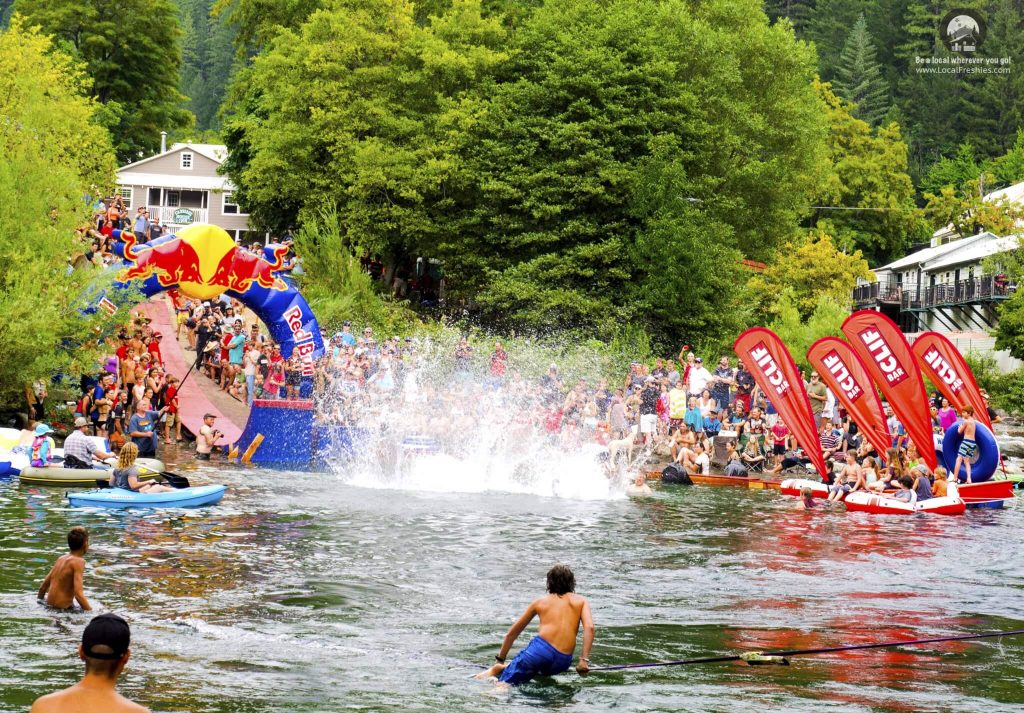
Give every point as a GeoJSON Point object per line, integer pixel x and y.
{"type": "Point", "coordinates": [105, 651]}
{"type": "Point", "coordinates": [561, 612]}
{"type": "Point", "coordinates": [968, 445]}
{"type": "Point", "coordinates": [63, 585]}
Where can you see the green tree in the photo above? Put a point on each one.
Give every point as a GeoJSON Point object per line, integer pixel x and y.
{"type": "Point", "coordinates": [810, 268]}
{"type": "Point", "coordinates": [1010, 332]}
{"type": "Point", "coordinates": [828, 29]}
{"type": "Point", "coordinates": [1009, 168]}
{"type": "Point", "coordinates": [131, 50]}
{"type": "Point", "coordinates": [596, 99]}
{"type": "Point", "coordinates": [798, 12]}
{"type": "Point", "coordinates": [868, 183]}
{"type": "Point", "coordinates": [957, 171]}
{"type": "Point", "coordinates": [995, 101]}
{"type": "Point", "coordinates": [965, 209]}
{"type": "Point", "coordinates": [859, 78]}
{"type": "Point", "coordinates": [258, 22]}
{"type": "Point", "coordinates": [799, 332]}
{"type": "Point", "coordinates": [208, 60]}
{"type": "Point", "coordinates": [54, 154]}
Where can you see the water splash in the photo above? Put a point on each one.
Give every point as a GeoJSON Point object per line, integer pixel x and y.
{"type": "Point", "coordinates": [433, 424]}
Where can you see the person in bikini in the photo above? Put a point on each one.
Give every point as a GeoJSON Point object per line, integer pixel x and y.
{"type": "Point", "coordinates": [968, 446]}
{"type": "Point", "coordinates": [561, 613]}
{"type": "Point", "coordinates": [63, 585]}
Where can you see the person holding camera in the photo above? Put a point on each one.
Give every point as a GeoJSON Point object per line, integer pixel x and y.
{"type": "Point", "coordinates": [208, 437]}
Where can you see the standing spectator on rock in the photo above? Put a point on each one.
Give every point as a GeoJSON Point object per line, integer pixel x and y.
{"type": "Point", "coordinates": [171, 419]}
{"type": "Point", "coordinates": [723, 378]}
{"type": "Point", "coordinates": [35, 397]}
{"type": "Point", "coordinates": [817, 392]}
{"type": "Point", "coordinates": [699, 377]}
{"type": "Point", "coordinates": [649, 409]}
{"type": "Point", "coordinates": [499, 362]}
{"type": "Point", "coordinates": [744, 386]}
{"type": "Point", "coordinates": [102, 400]}
{"type": "Point", "coordinates": [155, 229]}
{"type": "Point", "coordinates": [142, 429]}
{"type": "Point", "coordinates": [141, 229]}
{"type": "Point", "coordinates": [236, 351]}
{"type": "Point", "coordinates": [250, 365]}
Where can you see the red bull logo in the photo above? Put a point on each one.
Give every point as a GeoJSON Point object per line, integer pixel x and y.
{"type": "Point", "coordinates": [839, 371]}
{"type": "Point", "coordinates": [943, 370]}
{"type": "Point", "coordinates": [172, 262]}
{"type": "Point", "coordinates": [880, 351]}
{"type": "Point", "coordinates": [239, 269]}
{"type": "Point", "coordinates": [771, 370]}
{"type": "Point", "coordinates": [204, 262]}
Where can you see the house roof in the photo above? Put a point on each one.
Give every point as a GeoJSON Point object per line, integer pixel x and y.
{"type": "Point", "coordinates": [974, 253]}
{"type": "Point", "coordinates": [186, 183]}
{"type": "Point", "coordinates": [214, 152]}
{"type": "Point", "coordinates": [928, 254]}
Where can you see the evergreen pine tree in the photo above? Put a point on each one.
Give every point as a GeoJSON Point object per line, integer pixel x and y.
{"type": "Point", "coordinates": [798, 12]}
{"type": "Point", "coordinates": [859, 76]}
{"type": "Point", "coordinates": [994, 102]}
{"type": "Point", "coordinates": [828, 28]}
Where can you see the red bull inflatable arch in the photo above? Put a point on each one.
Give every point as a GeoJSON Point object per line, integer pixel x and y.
{"type": "Point", "coordinates": [203, 262]}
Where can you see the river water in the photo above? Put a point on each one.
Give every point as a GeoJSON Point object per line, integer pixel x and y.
{"type": "Point", "coordinates": [305, 592]}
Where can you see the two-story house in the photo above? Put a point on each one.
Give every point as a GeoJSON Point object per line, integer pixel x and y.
{"type": "Point", "coordinates": [181, 186]}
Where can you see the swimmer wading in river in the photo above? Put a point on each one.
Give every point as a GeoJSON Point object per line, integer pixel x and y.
{"type": "Point", "coordinates": [561, 612]}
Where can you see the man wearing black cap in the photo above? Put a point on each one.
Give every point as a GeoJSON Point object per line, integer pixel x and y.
{"type": "Point", "coordinates": [105, 651]}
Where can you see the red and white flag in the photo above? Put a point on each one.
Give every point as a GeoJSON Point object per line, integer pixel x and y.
{"type": "Point", "coordinates": [943, 363]}
{"type": "Point", "coordinates": [842, 371]}
{"type": "Point", "coordinates": [772, 367]}
{"type": "Point", "coordinates": [885, 352]}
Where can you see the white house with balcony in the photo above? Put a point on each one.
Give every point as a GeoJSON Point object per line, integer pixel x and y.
{"type": "Point", "coordinates": [181, 186]}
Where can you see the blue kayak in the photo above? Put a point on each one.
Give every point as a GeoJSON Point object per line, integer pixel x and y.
{"type": "Point", "coordinates": [120, 498]}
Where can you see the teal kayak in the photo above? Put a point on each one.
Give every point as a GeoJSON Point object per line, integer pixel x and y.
{"type": "Point", "coordinates": [120, 498]}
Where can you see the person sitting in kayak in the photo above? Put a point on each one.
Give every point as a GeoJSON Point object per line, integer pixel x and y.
{"type": "Point", "coordinates": [905, 491]}
{"type": "Point", "coordinates": [922, 485]}
{"type": "Point", "coordinates": [126, 473]}
{"type": "Point", "coordinates": [806, 499]}
{"type": "Point", "coordinates": [850, 480]}
{"type": "Point", "coordinates": [561, 613]}
{"type": "Point", "coordinates": [968, 446]}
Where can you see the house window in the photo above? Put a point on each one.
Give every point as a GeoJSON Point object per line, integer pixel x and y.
{"type": "Point", "coordinates": [173, 199]}
{"type": "Point", "coordinates": [230, 207]}
{"type": "Point", "coordinates": [126, 196]}
{"type": "Point", "coordinates": [186, 161]}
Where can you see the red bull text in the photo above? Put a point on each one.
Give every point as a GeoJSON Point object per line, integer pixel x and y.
{"type": "Point", "coordinates": [304, 346]}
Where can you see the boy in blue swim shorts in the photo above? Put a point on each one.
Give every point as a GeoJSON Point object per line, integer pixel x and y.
{"type": "Point", "coordinates": [561, 613]}
{"type": "Point", "coordinates": [968, 446]}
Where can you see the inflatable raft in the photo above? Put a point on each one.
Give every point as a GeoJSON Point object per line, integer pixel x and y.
{"type": "Point", "coordinates": [120, 499]}
{"type": "Point", "coordinates": [951, 504]}
{"type": "Point", "coordinates": [60, 477]}
{"type": "Point", "coordinates": [793, 486]}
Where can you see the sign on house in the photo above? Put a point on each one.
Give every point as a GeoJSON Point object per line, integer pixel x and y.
{"type": "Point", "coordinates": [184, 216]}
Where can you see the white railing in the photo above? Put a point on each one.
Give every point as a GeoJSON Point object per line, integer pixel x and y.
{"type": "Point", "coordinates": [177, 215]}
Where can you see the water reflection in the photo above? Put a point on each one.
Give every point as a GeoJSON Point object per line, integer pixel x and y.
{"type": "Point", "coordinates": [297, 594]}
